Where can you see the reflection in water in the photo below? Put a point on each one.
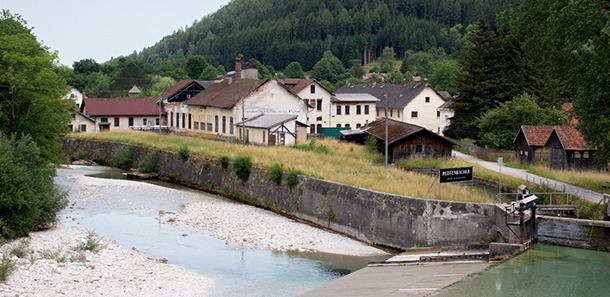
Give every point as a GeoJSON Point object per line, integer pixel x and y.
{"type": "Point", "coordinates": [236, 270]}
{"type": "Point", "coordinates": [542, 271]}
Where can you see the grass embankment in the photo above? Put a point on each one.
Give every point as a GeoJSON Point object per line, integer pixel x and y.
{"type": "Point", "coordinates": [345, 163]}
{"type": "Point", "coordinates": [592, 180]}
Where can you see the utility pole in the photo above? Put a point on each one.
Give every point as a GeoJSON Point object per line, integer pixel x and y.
{"type": "Point", "coordinates": [386, 132]}
{"type": "Point", "coordinates": [243, 120]}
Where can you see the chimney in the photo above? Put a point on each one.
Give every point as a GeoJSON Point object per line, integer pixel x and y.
{"type": "Point", "coordinates": [237, 68]}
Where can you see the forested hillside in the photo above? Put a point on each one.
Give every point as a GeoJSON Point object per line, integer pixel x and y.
{"type": "Point", "coordinates": [277, 32]}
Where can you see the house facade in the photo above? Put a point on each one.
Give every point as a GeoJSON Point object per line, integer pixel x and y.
{"type": "Point", "coordinates": [273, 129]}
{"type": "Point", "coordinates": [317, 97]}
{"type": "Point", "coordinates": [123, 113]}
{"type": "Point", "coordinates": [81, 123]}
{"type": "Point", "coordinates": [353, 110]}
{"type": "Point", "coordinates": [75, 95]}
{"type": "Point", "coordinates": [415, 103]}
{"type": "Point", "coordinates": [529, 140]}
{"type": "Point", "coordinates": [569, 150]}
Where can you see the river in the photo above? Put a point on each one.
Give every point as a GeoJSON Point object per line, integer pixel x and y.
{"type": "Point", "coordinates": [128, 212]}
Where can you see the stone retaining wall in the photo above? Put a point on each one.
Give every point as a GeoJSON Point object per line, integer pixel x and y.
{"type": "Point", "coordinates": [589, 234]}
{"type": "Point", "coordinates": [372, 217]}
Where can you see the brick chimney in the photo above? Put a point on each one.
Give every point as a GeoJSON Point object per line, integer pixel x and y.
{"type": "Point", "coordinates": [237, 68]}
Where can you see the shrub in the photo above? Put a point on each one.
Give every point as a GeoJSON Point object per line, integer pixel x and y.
{"type": "Point", "coordinates": [149, 163]}
{"type": "Point", "coordinates": [293, 178]}
{"type": "Point", "coordinates": [6, 268]}
{"type": "Point", "coordinates": [241, 167]}
{"type": "Point", "coordinates": [184, 152]}
{"type": "Point", "coordinates": [21, 249]}
{"type": "Point", "coordinates": [371, 144]}
{"type": "Point", "coordinates": [313, 146]}
{"type": "Point", "coordinates": [81, 154]}
{"type": "Point", "coordinates": [224, 161]}
{"type": "Point", "coordinates": [91, 243]}
{"type": "Point", "coordinates": [122, 158]}
{"type": "Point", "coordinates": [277, 171]}
{"type": "Point", "coordinates": [28, 197]}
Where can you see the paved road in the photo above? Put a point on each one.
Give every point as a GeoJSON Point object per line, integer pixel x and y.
{"type": "Point", "coordinates": [523, 174]}
{"type": "Point", "coordinates": [395, 281]}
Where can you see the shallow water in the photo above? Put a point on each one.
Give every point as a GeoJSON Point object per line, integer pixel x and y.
{"type": "Point", "coordinates": [237, 271]}
{"type": "Point", "coordinates": [543, 271]}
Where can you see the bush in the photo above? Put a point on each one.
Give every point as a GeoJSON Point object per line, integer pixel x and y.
{"type": "Point", "coordinates": [81, 154]}
{"type": "Point", "coordinates": [21, 249]}
{"type": "Point", "coordinates": [224, 161]}
{"type": "Point", "coordinates": [293, 178]}
{"type": "Point", "coordinates": [241, 167]}
{"type": "Point", "coordinates": [6, 268]}
{"type": "Point", "coordinates": [29, 199]}
{"type": "Point", "coordinates": [149, 163]}
{"type": "Point", "coordinates": [122, 158]}
{"type": "Point", "coordinates": [277, 171]}
{"type": "Point", "coordinates": [184, 152]}
{"type": "Point", "coordinates": [91, 243]}
{"type": "Point", "coordinates": [371, 144]}
{"type": "Point", "coordinates": [313, 146]}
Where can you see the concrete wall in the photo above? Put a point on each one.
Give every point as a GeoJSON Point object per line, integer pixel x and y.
{"type": "Point", "coordinates": [579, 233]}
{"type": "Point", "coordinates": [373, 217]}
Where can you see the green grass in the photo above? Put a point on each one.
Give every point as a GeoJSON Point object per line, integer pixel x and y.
{"type": "Point", "coordinates": [346, 163]}
{"type": "Point", "coordinates": [592, 180]}
{"type": "Point", "coordinates": [7, 266]}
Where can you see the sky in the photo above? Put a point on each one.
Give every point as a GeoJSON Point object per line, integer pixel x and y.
{"type": "Point", "coordinates": [102, 29]}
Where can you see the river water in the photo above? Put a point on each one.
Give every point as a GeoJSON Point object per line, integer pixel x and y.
{"type": "Point", "coordinates": [543, 271]}
{"type": "Point", "coordinates": [132, 219]}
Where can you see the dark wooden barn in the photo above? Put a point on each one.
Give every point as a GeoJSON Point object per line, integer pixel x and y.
{"type": "Point", "coordinates": [569, 150]}
{"type": "Point", "coordinates": [404, 140]}
{"type": "Point", "coordinates": [529, 140]}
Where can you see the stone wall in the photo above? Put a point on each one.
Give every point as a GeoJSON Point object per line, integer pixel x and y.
{"type": "Point", "coordinates": [372, 217]}
{"type": "Point", "coordinates": [589, 234]}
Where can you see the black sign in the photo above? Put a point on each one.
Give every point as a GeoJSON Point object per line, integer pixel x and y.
{"type": "Point", "coordinates": [451, 175]}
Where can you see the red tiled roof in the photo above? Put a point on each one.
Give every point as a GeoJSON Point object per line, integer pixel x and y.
{"type": "Point", "coordinates": [537, 135]}
{"type": "Point", "coordinates": [122, 106]}
{"type": "Point", "coordinates": [571, 139]}
{"type": "Point", "coordinates": [396, 130]}
{"type": "Point", "coordinates": [225, 95]}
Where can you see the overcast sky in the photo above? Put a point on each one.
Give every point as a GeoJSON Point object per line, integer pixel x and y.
{"type": "Point", "coordinates": [101, 29]}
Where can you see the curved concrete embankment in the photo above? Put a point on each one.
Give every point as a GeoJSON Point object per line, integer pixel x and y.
{"type": "Point", "coordinates": [372, 217]}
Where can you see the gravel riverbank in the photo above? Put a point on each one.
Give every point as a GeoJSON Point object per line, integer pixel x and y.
{"type": "Point", "coordinates": [60, 262]}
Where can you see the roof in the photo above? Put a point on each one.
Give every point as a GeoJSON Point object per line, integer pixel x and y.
{"type": "Point", "coordinates": [121, 106]}
{"type": "Point", "coordinates": [571, 139]}
{"type": "Point", "coordinates": [267, 121]}
{"type": "Point", "coordinates": [398, 95]}
{"type": "Point", "coordinates": [225, 94]}
{"type": "Point", "coordinates": [182, 84]}
{"type": "Point", "coordinates": [446, 105]}
{"type": "Point", "coordinates": [444, 94]}
{"type": "Point", "coordinates": [363, 97]}
{"type": "Point", "coordinates": [397, 130]}
{"type": "Point", "coordinates": [134, 90]}
{"type": "Point", "coordinates": [205, 83]}
{"type": "Point", "coordinates": [296, 85]}
{"type": "Point", "coordinates": [536, 135]}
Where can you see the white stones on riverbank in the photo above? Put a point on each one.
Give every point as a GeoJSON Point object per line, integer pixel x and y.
{"type": "Point", "coordinates": [56, 263]}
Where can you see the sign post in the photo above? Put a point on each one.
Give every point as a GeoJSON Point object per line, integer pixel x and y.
{"type": "Point", "coordinates": [452, 175]}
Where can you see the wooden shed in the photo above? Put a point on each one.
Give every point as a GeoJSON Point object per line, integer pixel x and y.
{"type": "Point", "coordinates": [529, 140]}
{"type": "Point", "coordinates": [404, 140]}
{"type": "Point", "coordinates": [569, 150]}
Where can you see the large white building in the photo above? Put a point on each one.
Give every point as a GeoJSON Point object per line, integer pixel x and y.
{"type": "Point", "coordinates": [122, 113]}
{"type": "Point", "coordinates": [415, 103]}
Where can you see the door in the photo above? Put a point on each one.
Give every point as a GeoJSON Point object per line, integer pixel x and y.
{"type": "Point", "coordinates": [271, 139]}
{"type": "Point", "coordinates": [104, 128]}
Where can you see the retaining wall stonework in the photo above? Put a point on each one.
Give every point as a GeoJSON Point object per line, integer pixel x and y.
{"type": "Point", "coordinates": [588, 234]}
{"type": "Point", "coordinates": [372, 217]}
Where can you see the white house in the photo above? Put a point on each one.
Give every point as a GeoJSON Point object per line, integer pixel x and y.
{"type": "Point", "coordinates": [415, 103]}
{"type": "Point", "coordinates": [353, 110]}
{"type": "Point", "coordinates": [273, 129]}
{"type": "Point", "coordinates": [81, 123]}
{"type": "Point", "coordinates": [318, 98]}
{"type": "Point", "coordinates": [75, 95]}
{"type": "Point", "coordinates": [123, 113]}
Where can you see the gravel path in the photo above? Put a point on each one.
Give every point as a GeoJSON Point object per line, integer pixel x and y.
{"type": "Point", "coordinates": [51, 264]}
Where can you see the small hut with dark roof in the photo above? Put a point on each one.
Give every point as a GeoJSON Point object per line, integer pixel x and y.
{"type": "Point", "coordinates": [569, 150]}
{"type": "Point", "coordinates": [529, 140]}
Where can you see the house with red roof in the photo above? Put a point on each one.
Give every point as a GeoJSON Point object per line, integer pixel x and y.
{"type": "Point", "coordinates": [569, 150]}
{"type": "Point", "coordinates": [123, 113]}
{"type": "Point", "coordinates": [529, 140]}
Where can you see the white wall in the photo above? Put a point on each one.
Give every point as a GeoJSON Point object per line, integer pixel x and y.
{"type": "Point", "coordinates": [271, 98]}
{"type": "Point", "coordinates": [426, 112]}
{"type": "Point", "coordinates": [75, 95]}
{"type": "Point", "coordinates": [256, 134]}
{"type": "Point", "coordinates": [78, 120]}
{"type": "Point", "coordinates": [124, 121]}
{"type": "Point", "coordinates": [314, 114]}
{"type": "Point", "coordinates": [353, 119]}
{"type": "Point", "coordinates": [444, 120]}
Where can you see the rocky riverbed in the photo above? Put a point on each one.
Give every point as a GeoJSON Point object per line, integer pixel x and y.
{"type": "Point", "coordinates": [68, 261]}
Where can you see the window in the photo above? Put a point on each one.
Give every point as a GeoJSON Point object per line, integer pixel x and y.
{"type": "Point", "coordinates": [183, 121]}
{"type": "Point", "coordinates": [346, 125]}
{"type": "Point", "coordinates": [312, 89]}
{"type": "Point", "coordinates": [210, 128]}
{"type": "Point", "coordinates": [130, 122]}
{"type": "Point", "coordinates": [319, 105]}
{"type": "Point", "coordinates": [427, 99]}
{"type": "Point", "coordinates": [247, 135]}
{"type": "Point", "coordinates": [391, 112]}
{"type": "Point", "coordinates": [312, 102]}
{"type": "Point", "coordinates": [398, 112]}
{"type": "Point", "coordinates": [319, 128]}
{"type": "Point", "coordinates": [177, 120]}
{"type": "Point", "coordinates": [116, 122]}
{"type": "Point", "coordinates": [144, 121]}
{"type": "Point", "coordinates": [190, 120]}
{"type": "Point", "coordinates": [171, 119]}
{"type": "Point", "coordinates": [414, 114]}
{"type": "Point", "coordinates": [338, 125]}
{"type": "Point", "coordinates": [231, 125]}
{"type": "Point", "coordinates": [419, 148]}
{"type": "Point", "coordinates": [347, 110]}
{"type": "Point", "coordinates": [196, 125]}
{"type": "Point", "coordinates": [83, 128]}
{"type": "Point", "coordinates": [377, 112]}
{"type": "Point", "coordinates": [216, 124]}
{"type": "Point", "coordinates": [366, 109]}
{"type": "Point", "coordinates": [104, 120]}
{"type": "Point", "coordinates": [338, 109]}
{"type": "Point", "coordinates": [585, 155]}
{"type": "Point", "coordinates": [319, 119]}
{"type": "Point", "coordinates": [438, 130]}
{"type": "Point", "coordinates": [358, 109]}
{"type": "Point", "coordinates": [358, 126]}
{"type": "Point", "coordinates": [224, 125]}
{"type": "Point", "coordinates": [576, 155]}
{"type": "Point", "coordinates": [264, 135]}
{"type": "Point", "coordinates": [71, 128]}
{"type": "Point", "coordinates": [73, 116]}
{"type": "Point", "coordinates": [282, 138]}
{"type": "Point", "coordinates": [312, 129]}
{"type": "Point", "coordinates": [438, 114]}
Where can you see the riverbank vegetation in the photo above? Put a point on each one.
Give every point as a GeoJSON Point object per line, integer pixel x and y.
{"type": "Point", "coordinates": [341, 162]}
{"type": "Point", "coordinates": [592, 180]}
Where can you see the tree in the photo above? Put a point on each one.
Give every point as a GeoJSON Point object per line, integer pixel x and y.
{"type": "Point", "coordinates": [195, 65]}
{"type": "Point", "coordinates": [356, 71]}
{"type": "Point", "coordinates": [396, 77]}
{"type": "Point", "coordinates": [294, 70]}
{"type": "Point", "coordinates": [444, 75]}
{"type": "Point", "coordinates": [263, 72]}
{"type": "Point", "coordinates": [160, 84]}
{"type": "Point", "coordinates": [328, 68]}
{"type": "Point", "coordinates": [30, 89]}
{"type": "Point", "coordinates": [209, 73]}
{"type": "Point", "coordinates": [100, 86]}
{"type": "Point", "coordinates": [500, 125]}
{"type": "Point", "coordinates": [387, 59]}
{"type": "Point", "coordinates": [328, 85]}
